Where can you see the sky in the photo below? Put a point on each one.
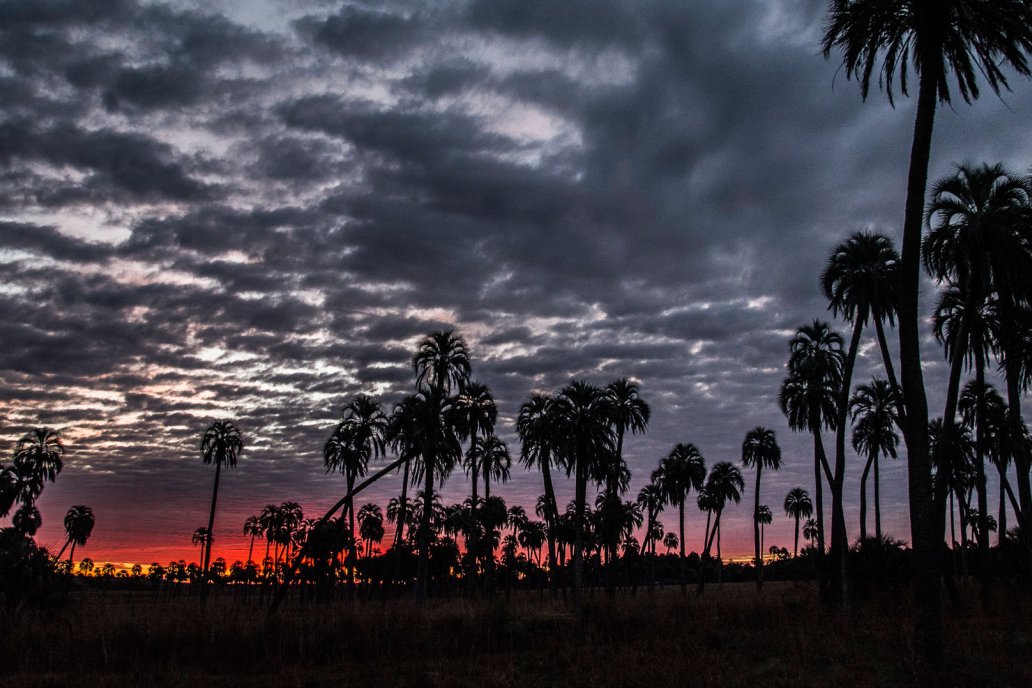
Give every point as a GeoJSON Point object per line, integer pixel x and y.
{"type": "Point", "coordinates": [254, 210]}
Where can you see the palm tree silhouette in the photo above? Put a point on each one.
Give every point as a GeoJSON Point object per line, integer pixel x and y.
{"type": "Point", "coordinates": [798, 506]}
{"type": "Point", "coordinates": [810, 530]}
{"type": "Point", "coordinates": [764, 518]}
{"type": "Point", "coordinates": [860, 281]}
{"type": "Point", "coordinates": [809, 395]}
{"type": "Point", "coordinates": [724, 484]}
{"type": "Point", "coordinates": [254, 528]}
{"type": "Point", "coordinates": [976, 247]}
{"type": "Point", "coordinates": [997, 438]}
{"type": "Point", "coordinates": [873, 411]}
{"type": "Point", "coordinates": [27, 520]}
{"type": "Point", "coordinates": [220, 444]}
{"type": "Point", "coordinates": [200, 539]}
{"type": "Point", "coordinates": [760, 450]}
{"type": "Point", "coordinates": [477, 409]}
{"type": "Point", "coordinates": [370, 526]}
{"type": "Point", "coordinates": [442, 366]}
{"type": "Point", "coordinates": [967, 38]}
{"type": "Point", "coordinates": [535, 426]}
{"type": "Point", "coordinates": [680, 472]}
{"type": "Point", "coordinates": [39, 453]}
{"type": "Point", "coordinates": [78, 523]}
{"type": "Point", "coordinates": [670, 541]}
{"type": "Point", "coordinates": [584, 430]}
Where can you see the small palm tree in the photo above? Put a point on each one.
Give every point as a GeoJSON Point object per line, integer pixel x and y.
{"type": "Point", "coordinates": [78, 523]}
{"type": "Point", "coordinates": [536, 429]}
{"type": "Point", "coordinates": [670, 541]}
{"type": "Point", "coordinates": [873, 410]}
{"type": "Point", "coordinates": [724, 484]}
{"type": "Point", "coordinates": [760, 450]}
{"type": "Point", "coordinates": [221, 444]}
{"type": "Point", "coordinates": [200, 539]}
{"type": "Point", "coordinates": [798, 506]}
{"type": "Point", "coordinates": [680, 472]}
{"type": "Point", "coordinates": [253, 527]}
{"type": "Point", "coordinates": [764, 518]}
{"type": "Point", "coordinates": [810, 531]}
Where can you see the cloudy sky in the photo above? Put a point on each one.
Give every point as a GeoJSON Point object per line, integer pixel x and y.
{"type": "Point", "coordinates": [253, 210]}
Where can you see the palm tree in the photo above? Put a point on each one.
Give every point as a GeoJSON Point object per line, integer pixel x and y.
{"type": "Point", "coordinates": [997, 437]}
{"type": "Point", "coordinates": [220, 444]}
{"type": "Point", "coordinates": [670, 541]}
{"type": "Point", "coordinates": [536, 429]}
{"type": "Point", "coordinates": [253, 527]}
{"type": "Point", "coordinates": [873, 411]}
{"type": "Point", "coordinates": [476, 406]}
{"type": "Point", "coordinates": [860, 281]}
{"type": "Point", "coordinates": [808, 397]}
{"type": "Point", "coordinates": [760, 450]}
{"type": "Point", "coordinates": [584, 430]}
{"type": "Point", "coordinates": [930, 39]}
{"type": "Point", "coordinates": [976, 247]}
{"type": "Point", "coordinates": [27, 520]}
{"type": "Point", "coordinates": [724, 484]}
{"type": "Point", "coordinates": [651, 501]}
{"type": "Point", "coordinates": [798, 506]}
{"type": "Point", "coordinates": [78, 523]}
{"type": "Point", "coordinates": [200, 539]}
{"type": "Point", "coordinates": [39, 453]}
{"type": "Point", "coordinates": [370, 526]}
{"type": "Point", "coordinates": [680, 472]}
{"type": "Point", "coordinates": [810, 530]}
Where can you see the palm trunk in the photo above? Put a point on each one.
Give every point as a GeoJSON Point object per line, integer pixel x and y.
{"type": "Point", "coordinates": [983, 499]}
{"type": "Point", "coordinates": [756, 529]}
{"type": "Point", "coordinates": [471, 555]}
{"type": "Point", "coordinates": [211, 518]}
{"type": "Point", "coordinates": [552, 516]}
{"type": "Point", "coordinates": [1022, 460]}
{"type": "Point", "coordinates": [578, 539]}
{"type": "Point", "coordinates": [890, 372]}
{"type": "Point", "coordinates": [71, 557]}
{"type": "Point", "coordinates": [863, 495]}
{"type": "Point", "coordinates": [250, 549]}
{"type": "Point", "coordinates": [708, 541]}
{"type": "Point", "coordinates": [399, 534]}
{"type": "Point", "coordinates": [682, 563]}
{"type": "Point", "coordinates": [925, 519]}
{"type": "Point", "coordinates": [877, 500]}
{"type": "Point", "coordinates": [423, 566]}
{"type": "Point", "coordinates": [795, 547]}
{"type": "Point", "coordinates": [354, 539]}
{"type": "Point", "coordinates": [839, 536]}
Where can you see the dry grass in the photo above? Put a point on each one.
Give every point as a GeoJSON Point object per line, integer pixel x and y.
{"type": "Point", "coordinates": [729, 637]}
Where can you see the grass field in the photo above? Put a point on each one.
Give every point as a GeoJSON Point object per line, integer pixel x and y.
{"type": "Point", "coordinates": [729, 637]}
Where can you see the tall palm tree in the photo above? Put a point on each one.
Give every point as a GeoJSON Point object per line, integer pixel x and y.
{"type": "Point", "coordinates": [975, 245]}
{"type": "Point", "coordinates": [78, 523]}
{"type": "Point", "coordinates": [200, 540]}
{"type": "Point", "coordinates": [760, 450]}
{"type": "Point", "coordinates": [495, 460]}
{"type": "Point", "coordinates": [723, 484]}
{"type": "Point", "coordinates": [220, 445]}
{"type": "Point", "coordinates": [931, 40]}
{"type": "Point", "coordinates": [680, 472]}
{"type": "Point", "coordinates": [651, 501]}
{"type": "Point", "coordinates": [873, 411]}
{"type": "Point", "coordinates": [536, 428]}
{"type": "Point", "coordinates": [478, 411]}
{"type": "Point", "coordinates": [860, 282]}
{"type": "Point", "coordinates": [583, 424]}
{"type": "Point", "coordinates": [798, 506]}
{"type": "Point", "coordinates": [809, 394]}
{"type": "Point", "coordinates": [370, 526]}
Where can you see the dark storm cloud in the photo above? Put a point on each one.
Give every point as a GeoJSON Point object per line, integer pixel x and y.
{"type": "Point", "coordinates": [211, 213]}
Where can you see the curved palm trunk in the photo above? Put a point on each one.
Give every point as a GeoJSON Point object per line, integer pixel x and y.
{"type": "Point", "coordinates": [399, 534]}
{"type": "Point", "coordinates": [820, 463]}
{"type": "Point", "coordinates": [983, 500]}
{"type": "Point", "coordinates": [708, 541]}
{"type": "Point", "coordinates": [250, 549]}
{"type": "Point", "coordinates": [211, 519]}
{"type": "Point", "coordinates": [71, 557]}
{"type": "Point", "coordinates": [839, 536]}
{"type": "Point", "coordinates": [890, 371]}
{"type": "Point", "coordinates": [423, 565]}
{"type": "Point", "coordinates": [756, 530]}
{"type": "Point", "coordinates": [682, 563]}
{"type": "Point", "coordinates": [863, 495]}
{"type": "Point", "coordinates": [1022, 459]}
{"type": "Point", "coordinates": [877, 500]}
{"type": "Point", "coordinates": [925, 519]}
{"type": "Point", "coordinates": [578, 539]}
{"type": "Point", "coordinates": [552, 516]}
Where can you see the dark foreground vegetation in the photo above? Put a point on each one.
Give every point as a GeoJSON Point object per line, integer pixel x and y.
{"type": "Point", "coordinates": [732, 636]}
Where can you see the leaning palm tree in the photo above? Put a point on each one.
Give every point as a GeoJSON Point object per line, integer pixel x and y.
{"type": "Point", "coordinates": [809, 394]}
{"type": "Point", "coordinates": [78, 523]}
{"type": "Point", "coordinates": [760, 450]}
{"type": "Point", "coordinates": [221, 445]}
{"type": "Point", "coordinates": [898, 38]}
{"type": "Point", "coordinates": [584, 430]}
{"type": "Point", "coordinates": [798, 506]}
{"type": "Point", "coordinates": [680, 472]}
{"type": "Point", "coordinates": [873, 411]}
{"type": "Point", "coordinates": [724, 484]}
{"type": "Point", "coordinates": [651, 500]}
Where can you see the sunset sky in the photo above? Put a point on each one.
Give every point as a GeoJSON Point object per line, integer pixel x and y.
{"type": "Point", "coordinates": [253, 210]}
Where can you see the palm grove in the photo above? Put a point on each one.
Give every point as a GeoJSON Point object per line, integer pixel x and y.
{"type": "Point", "coordinates": [970, 233]}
